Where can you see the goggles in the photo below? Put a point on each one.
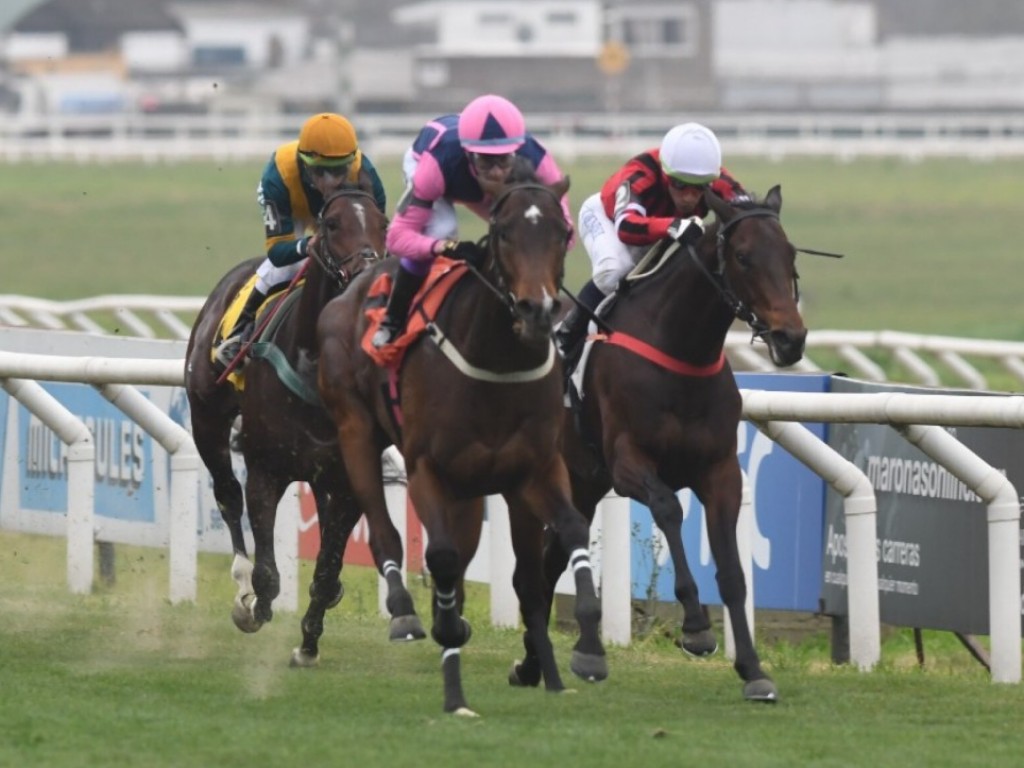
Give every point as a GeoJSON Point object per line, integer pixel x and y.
{"type": "Point", "coordinates": [320, 165]}
{"type": "Point", "coordinates": [487, 162]}
{"type": "Point", "coordinates": [679, 184]}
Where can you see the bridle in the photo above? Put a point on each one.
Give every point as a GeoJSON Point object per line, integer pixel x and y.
{"type": "Point", "coordinates": [492, 275]}
{"type": "Point", "coordinates": [720, 280]}
{"type": "Point", "coordinates": [337, 267]}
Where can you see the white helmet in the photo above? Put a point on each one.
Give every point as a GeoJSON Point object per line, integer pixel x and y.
{"type": "Point", "coordinates": [690, 153]}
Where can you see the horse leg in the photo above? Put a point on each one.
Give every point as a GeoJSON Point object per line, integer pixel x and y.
{"type": "Point", "coordinates": [720, 493]}
{"type": "Point", "coordinates": [388, 554]}
{"type": "Point", "coordinates": [531, 588]}
{"type": "Point", "coordinates": [336, 519]}
{"type": "Point", "coordinates": [211, 433]}
{"type": "Point", "coordinates": [453, 531]}
{"type": "Point", "coordinates": [262, 493]}
{"type": "Point", "coordinates": [636, 476]}
{"type": "Point", "coordinates": [586, 497]}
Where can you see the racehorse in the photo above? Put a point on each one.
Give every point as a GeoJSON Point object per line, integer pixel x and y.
{"type": "Point", "coordinates": [481, 413]}
{"type": "Point", "coordinates": [660, 407]}
{"type": "Point", "coordinates": [285, 434]}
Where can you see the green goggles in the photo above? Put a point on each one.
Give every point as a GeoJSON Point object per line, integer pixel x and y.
{"type": "Point", "coordinates": [313, 160]}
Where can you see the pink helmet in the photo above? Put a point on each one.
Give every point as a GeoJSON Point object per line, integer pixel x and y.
{"type": "Point", "coordinates": [491, 125]}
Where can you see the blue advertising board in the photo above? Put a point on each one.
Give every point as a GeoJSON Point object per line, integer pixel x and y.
{"type": "Point", "coordinates": [788, 509]}
{"type": "Point", "coordinates": [124, 458]}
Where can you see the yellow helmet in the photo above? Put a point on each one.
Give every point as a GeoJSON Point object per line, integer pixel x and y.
{"type": "Point", "coordinates": [328, 139]}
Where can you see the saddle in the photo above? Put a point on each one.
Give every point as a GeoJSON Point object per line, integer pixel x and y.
{"type": "Point", "coordinates": [443, 275]}
{"type": "Point", "coordinates": [234, 309]}
{"type": "Point", "coordinates": [649, 265]}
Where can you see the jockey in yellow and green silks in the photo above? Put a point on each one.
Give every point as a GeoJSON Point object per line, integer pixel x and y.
{"type": "Point", "coordinates": [296, 181]}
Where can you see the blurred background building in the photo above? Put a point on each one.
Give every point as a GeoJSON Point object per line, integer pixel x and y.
{"type": "Point", "coordinates": [397, 56]}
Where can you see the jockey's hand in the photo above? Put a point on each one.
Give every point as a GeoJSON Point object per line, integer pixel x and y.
{"type": "Point", "coordinates": [312, 243]}
{"type": "Point", "coordinates": [464, 250]}
{"type": "Point", "coordinates": [686, 231]}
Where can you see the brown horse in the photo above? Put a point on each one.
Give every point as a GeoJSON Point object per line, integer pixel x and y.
{"type": "Point", "coordinates": [660, 406]}
{"type": "Point", "coordinates": [285, 434]}
{"type": "Point", "coordinates": [481, 413]}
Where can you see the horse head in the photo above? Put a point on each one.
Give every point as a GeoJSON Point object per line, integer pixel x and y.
{"type": "Point", "coordinates": [350, 234]}
{"type": "Point", "coordinates": [756, 273]}
{"type": "Point", "coordinates": [527, 242]}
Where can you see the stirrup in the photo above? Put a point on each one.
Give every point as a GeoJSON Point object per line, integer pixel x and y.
{"type": "Point", "coordinates": [228, 350]}
{"type": "Point", "coordinates": [385, 335]}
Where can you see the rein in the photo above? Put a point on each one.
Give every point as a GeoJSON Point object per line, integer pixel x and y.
{"type": "Point", "coordinates": [721, 282]}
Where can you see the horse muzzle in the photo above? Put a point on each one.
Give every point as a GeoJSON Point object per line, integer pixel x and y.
{"type": "Point", "coordinates": [534, 320]}
{"type": "Point", "coordinates": [786, 347]}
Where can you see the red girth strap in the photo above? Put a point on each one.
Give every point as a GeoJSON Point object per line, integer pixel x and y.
{"type": "Point", "coordinates": [658, 357]}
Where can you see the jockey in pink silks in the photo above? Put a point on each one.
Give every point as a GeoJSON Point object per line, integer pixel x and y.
{"type": "Point", "coordinates": [454, 159]}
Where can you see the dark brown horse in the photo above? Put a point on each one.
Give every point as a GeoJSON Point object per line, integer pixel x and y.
{"type": "Point", "coordinates": [285, 434]}
{"type": "Point", "coordinates": [481, 407]}
{"type": "Point", "coordinates": [660, 405]}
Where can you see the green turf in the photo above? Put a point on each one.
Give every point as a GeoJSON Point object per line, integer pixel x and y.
{"type": "Point", "coordinates": [122, 678]}
{"type": "Point", "coordinates": [930, 246]}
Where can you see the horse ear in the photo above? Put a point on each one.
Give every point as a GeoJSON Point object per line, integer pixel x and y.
{"type": "Point", "coordinates": [722, 209]}
{"type": "Point", "coordinates": [560, 187]}
{"type": "Point", "coordinates": [774, 198]}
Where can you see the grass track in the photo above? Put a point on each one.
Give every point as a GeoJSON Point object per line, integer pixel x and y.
{"type": "Point", "coordinates": [122, 678]}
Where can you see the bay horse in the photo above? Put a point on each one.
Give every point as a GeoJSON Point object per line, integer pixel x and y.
{"type": "Point", "coordinates": [481, 413]}
{"type": "Point", "coordinates": [285, 435]}
{"type": "Point", "coordinates": [660, 406]}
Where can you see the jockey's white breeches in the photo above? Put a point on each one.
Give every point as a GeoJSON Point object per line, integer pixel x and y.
{"type": "Point", "coordinates": [268, 276]}
{"type": "Point", "coordinates": [611, 259]}
{"type": "Point", "coordinates": [443, 223]}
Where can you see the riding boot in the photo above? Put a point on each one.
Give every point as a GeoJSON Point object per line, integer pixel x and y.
{"type": "Point", "coordinates": [242, 330]}
{"type": "Point", "coordinates": [569, 334]}
{"type": "Point", "coordinates": [405, 287]}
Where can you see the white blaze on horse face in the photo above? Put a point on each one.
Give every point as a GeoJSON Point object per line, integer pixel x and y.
{"type": "Point", "coordinates": [549, 301]}
{"type": "Point", "coordinates": [533, 214]}
{"type": "Point", "coordinates": [360, 214]}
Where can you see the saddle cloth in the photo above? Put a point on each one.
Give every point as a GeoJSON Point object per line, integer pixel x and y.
{"type": "Point", "coordinates": [443, 275]}
{"type": "Point", "coordinates": [227, 322]}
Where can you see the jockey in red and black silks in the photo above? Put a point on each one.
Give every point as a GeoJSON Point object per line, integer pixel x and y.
{"type": "Point", "coordinates": [454, 160]}
{"type": "Point", "coordinates": [656, 194]}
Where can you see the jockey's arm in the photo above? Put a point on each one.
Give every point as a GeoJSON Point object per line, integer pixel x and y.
{"type": "Point", "coordinates": [406, 238]}
{"type": "Point", "coordinates": [283, 245]}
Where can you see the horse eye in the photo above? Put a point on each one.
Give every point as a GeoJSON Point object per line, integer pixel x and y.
{"type": "Point", "coordinates": [743, 259]}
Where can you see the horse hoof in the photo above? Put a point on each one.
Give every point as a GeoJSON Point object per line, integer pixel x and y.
{"type": "Point", "coordinates": [465, 712]}
{"type": "Point", "coordinates": [242, 614]}
{"type": "Point", "coordinates": [520, 677]}
{"type": "Point", "coordinates": [589, 666]}
{"type": "Point", "coordinates": [301, 659]}
{"type": "Point", "coordinates": [761, 690]}
{"type": "Point", "coordinates": [405, 629]}
{"type": "Point", "coordinates": [699, 644]}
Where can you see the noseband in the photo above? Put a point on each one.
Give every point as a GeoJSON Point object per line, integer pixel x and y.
{"type": "Point", "coordinates": [333, 265]}
{"type": "Point", "coordinates": [720, 280]}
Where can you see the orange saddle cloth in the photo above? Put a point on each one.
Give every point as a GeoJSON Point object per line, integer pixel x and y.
{"type": "Point", "coordinates": [443, 275]}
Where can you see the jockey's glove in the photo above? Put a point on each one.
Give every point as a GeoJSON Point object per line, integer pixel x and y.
{"type": "Point", "coordinates": [686, 231]}
{"type": "Point", "coordinates": [464, 250]}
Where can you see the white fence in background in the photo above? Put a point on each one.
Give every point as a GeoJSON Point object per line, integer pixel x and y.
{"type": "Point", "coordinates": [920, 359]}
{"type": "Point", "coordinates": [775, 413]}
{"type": "Point", "coordinates": [227, 137]}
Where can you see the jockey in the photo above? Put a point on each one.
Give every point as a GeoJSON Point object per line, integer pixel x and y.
{"type": "Point", "coordinates": [296, 181]}
{"type": "Point", "coordinates": [657, 194]}
{"type": "Point", "coordinates": [454, 159]}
